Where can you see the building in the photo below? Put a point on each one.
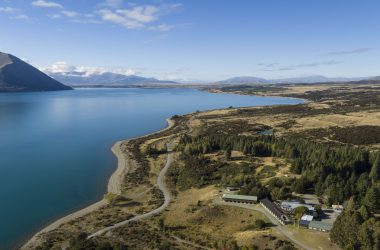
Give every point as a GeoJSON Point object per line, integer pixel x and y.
{"type": "Point", "coordinates": [273, 210]}
{"type": "Point", "coordinates": [320, 226]}
{"type": "Point", "coordinates": [337, 208]}
{"type": "Point", "coordinates": [291, 205]}
{"type": "Point", "coordinates": [232, 188]}
{"type": "Point", "coordinates": [239, 198]}
{"type": "Point", "coordinates": [305, 220]}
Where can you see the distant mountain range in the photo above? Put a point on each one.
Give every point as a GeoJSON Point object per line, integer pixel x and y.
{"type": "Point", "coordinates": [307, 79]}
{"type": "Point", "coordinates": [107, 79]}
{"type": "Point", "coordinates": [76, 78]}
{"type": "Point", "coordinates": [17, 75]}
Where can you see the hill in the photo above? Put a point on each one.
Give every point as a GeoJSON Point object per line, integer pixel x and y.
{"type": "Point", "coordinates": [17, 75]}
{"type": "Point", "coordinates": [244, 80]}
{"type": "Point", "coordinates": [76, 78]}
{"type": "Point", "coordinates": [302, 79]}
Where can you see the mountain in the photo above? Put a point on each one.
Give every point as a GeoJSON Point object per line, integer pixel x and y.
{"type": "Point", "coordinates": [305, 79]}
{"type": "Point", "coordinates": [17, 75]}
{"type": "Point", "coordinates": [375, 78]}
{"type": "Point", "coordinates": [317, 78]}
{"type": "Point", "coordinates": [244, 80]}
{"type": "Point", "coordinates": [76, 78]}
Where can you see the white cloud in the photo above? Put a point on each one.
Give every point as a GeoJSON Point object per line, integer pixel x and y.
{"type": "Point", "coordinates": [65, 68]}
{"type": "Point", "coordinates": [141, 16]}
{"type": "Point", "coordinates": [110, 16]}
{"type": "Point", "coordinates": [70, 14]}
{"type": "Point", "coordinates": [8, 9]}
{"type": "Point", "coordinates": [46, 4]}
{"type": "Point", "coordinates": [59, 67]}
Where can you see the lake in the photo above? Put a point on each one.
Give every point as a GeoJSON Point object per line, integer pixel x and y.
{"type": "Point", "coordinates": [55, 146]}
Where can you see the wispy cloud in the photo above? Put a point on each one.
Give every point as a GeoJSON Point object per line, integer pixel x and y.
{"type": "Point", "coordinates": [347, 52]}
{"type": "Point", "coordinates": [21, 17]}
{"type": "Point", "coordinates": [46, 4]}
{"type": "Point", "coordinates": [268, 65]}
{"type": "Point", "coordinates": [8, 9]}
{"type": "Point", "coordinates": [112, 3]}
{"type": "Point", "coordinates": [140, 16]}
{"type": "Point", "coordinates": [271, 67]}
{"type": "Point", "coordinates": [15, 14]}
{"type": "Point", "coordinates": [316, 64]}
{"type": "Point", "coordinates": [285, 68]}
{"type": "Point", "coordinates": [70, 14]}
{"type": "Point", "coordinates": [54, 16]}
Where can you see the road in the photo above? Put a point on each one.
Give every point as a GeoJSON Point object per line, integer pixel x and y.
{"type": "Point", "coordinates": [161, 185]}
{"type": "Point", "coordinates": [280, 228]}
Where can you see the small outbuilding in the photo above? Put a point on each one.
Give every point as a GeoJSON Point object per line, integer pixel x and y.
{"type": "Point", "coordinates": [305, 220]}
{"type": "Point", "coordinates": [239, 198]}
{"type": "Point", "coordinates": [232, 188]}
{"type": "Point", "coordinates": [337, 208]}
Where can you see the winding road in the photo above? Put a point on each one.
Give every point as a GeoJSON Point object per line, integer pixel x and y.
{"type": "Point", "coordinates": [161, 185]}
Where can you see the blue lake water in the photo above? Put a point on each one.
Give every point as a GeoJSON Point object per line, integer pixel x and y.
{"type": "Point", "coordinates": [55, 146]}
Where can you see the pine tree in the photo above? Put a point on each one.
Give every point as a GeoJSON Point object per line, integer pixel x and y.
{"type": "Point", "coordinates": [374, 175]}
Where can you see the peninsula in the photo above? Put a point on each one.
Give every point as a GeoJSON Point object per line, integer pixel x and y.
{"type": "Point", "coordinates": [293, 159]}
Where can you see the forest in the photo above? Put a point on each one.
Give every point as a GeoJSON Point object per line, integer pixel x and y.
{"type": "Point", "coordinates": [340, 174]}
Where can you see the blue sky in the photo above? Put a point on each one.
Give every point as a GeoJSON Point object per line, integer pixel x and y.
{"type": "Point", "coordinates": [205, 39]}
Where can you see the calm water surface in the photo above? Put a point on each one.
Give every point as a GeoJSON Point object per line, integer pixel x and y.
{"type": "Point", "coordinates": [55, 147]}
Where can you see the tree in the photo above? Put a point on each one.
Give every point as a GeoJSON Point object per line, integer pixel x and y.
{"type": "Point", "coordinates": [260, 224]}
{"type": "Point", "coordinates": [375, 170]}
{"type": "Point", "coordinates": [227, 154]}
{"type": "Point", "coordinates": [364, 212]}
{"type": "Point", "coordinates": [300, 211]}
{"type": "Point", "coordinates": [345, 229]}
{"type": "Point", "coordinates": [300, 186]}
{"type": "Point", "coordinates": [318, 211]}
{"type": "Point", "coordinates": [372, 199]}
{"type": "Point", "coordinates": [351, 205]}
{"type": "Point", "coordinates": [161, 224]}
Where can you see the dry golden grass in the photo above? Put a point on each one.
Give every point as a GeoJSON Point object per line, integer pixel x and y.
{"type": "Point", "coordinates": [314, 239]}
{"type": "Point", "coordinates": [185, 199]}
{"type": "Point", "coordinates": [155, 167]}
{"type": "Point", "coordinates": [350, 119]}
{"type": "Point", "coordinates": [303, 89]}
{"type": "Point", "coordinates": [246, 237]}
{"type": "Point", "coordinates": [236, 154]}
{"type": "Point", "coordinates": [259, 238]}
{"type": "Point", "coordinates": [194, 210]}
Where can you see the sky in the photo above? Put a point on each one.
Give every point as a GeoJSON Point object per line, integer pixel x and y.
{"type": "Point", "coordinates": [193, 40]}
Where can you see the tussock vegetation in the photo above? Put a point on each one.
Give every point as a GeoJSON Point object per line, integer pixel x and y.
{"type": "Point", "coordinates": [359, 135]}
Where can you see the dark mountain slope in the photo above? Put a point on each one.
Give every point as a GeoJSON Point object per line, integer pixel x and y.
{"type": "Point", "coordinates": [17, 75]}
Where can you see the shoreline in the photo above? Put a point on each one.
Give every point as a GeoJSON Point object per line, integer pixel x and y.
{"type": "Point", "coordinates": [114, 186]}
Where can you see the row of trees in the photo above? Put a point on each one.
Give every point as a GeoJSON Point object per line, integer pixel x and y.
{"type": "Point", "coordinates": [338, 172]}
